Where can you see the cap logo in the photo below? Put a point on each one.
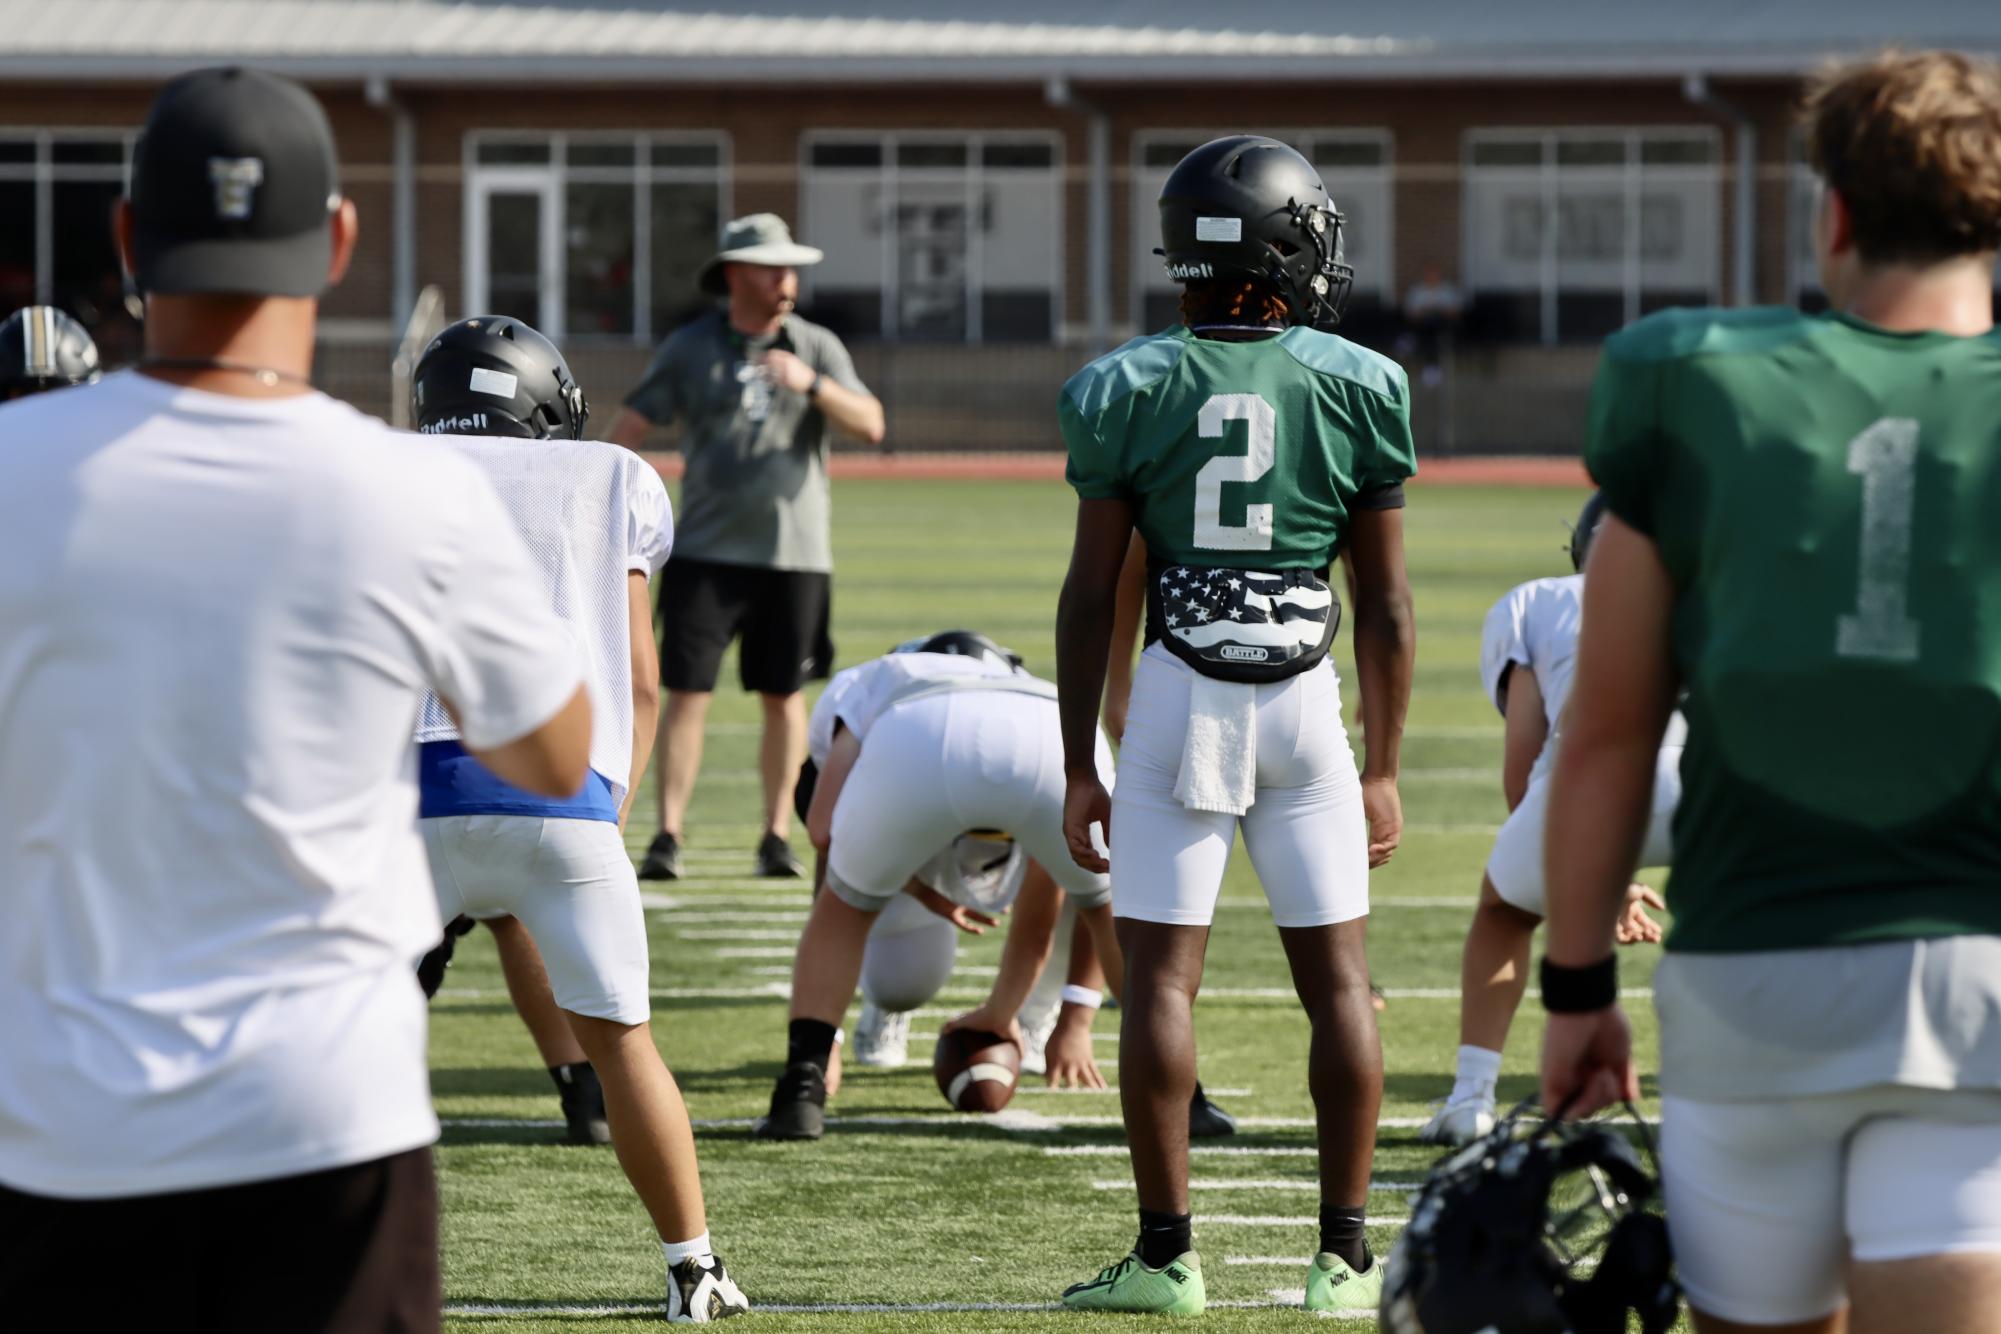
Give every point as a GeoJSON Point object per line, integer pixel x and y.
{"type": "Point", "coordinates": [235, 180]}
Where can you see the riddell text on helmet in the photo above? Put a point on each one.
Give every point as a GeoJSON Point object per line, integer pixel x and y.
{"type": "Point", "coordinates": [473, 423]}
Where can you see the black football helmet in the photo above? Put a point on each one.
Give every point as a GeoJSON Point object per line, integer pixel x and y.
{"type": "Point", "coordinates": [1539, 1227]}
{"type": "Point", "coordinates": [966, 643]}
{"type": "Point", "coordinates": [1253, 207]}
{"type": "Point", "coordinates": [1588, 520]}
{"type": "Point", "coordinates": [42, 348]}
{"type": "Point", "coordinates": [492, 375]}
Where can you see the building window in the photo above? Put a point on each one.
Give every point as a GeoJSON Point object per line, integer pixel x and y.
{"type": "Point", "coordinates": [1355, 166]}
{"type": "Point", "coordinates": [934, 237]}
{"type": "Point", "coordinates": [57, 191]}
{"type": "Point", "coordinates": [1571, 234]}
{"type": "Point", "coordinates": [592, 235]}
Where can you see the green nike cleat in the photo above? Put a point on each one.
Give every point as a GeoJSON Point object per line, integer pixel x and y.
{"type": "Point", "coordinates": [1174, 1289]}
{"type": "Point", "coordinates": [1333, 1285]}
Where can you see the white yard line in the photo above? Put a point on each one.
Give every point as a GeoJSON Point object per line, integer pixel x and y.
{"type": "Point", "coordinates": [1213, 1150]}
{"type": "Point", "coordinates": [1275, 1261]}
{"type": "Point", "coordinates": [1281, 1297]}
{"type": "Point", "coordinates": [758, 952]}
{"type": "Point", "coordinates": [1240, 1183]}
{"type": "Point", "coordinates": [1113, 1091]}
{"type": "Point", "coordinates": [1286, 1220]}
{"type": "Point", "coordinates": [738, 916]}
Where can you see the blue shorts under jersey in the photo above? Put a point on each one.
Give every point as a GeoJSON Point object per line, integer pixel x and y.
{"type": "Point", "coordinates": [451, 782]}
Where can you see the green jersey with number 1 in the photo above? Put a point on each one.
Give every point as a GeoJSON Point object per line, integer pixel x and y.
{"type": "Point", "coordinates": [1826, 497]}
{"type": "Point", "coordinates": [1246, 455]}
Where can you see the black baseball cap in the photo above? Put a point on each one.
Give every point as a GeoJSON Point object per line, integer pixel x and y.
{"type": "Point", "coordinates": [234, 187]}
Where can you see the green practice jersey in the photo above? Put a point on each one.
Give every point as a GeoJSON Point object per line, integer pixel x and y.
{"type": "Point", "coordinates": [1245, 455]}
{"type": "Point", "coordinates": [1826, 496]}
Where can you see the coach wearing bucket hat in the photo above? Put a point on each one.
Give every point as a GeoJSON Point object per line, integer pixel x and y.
{"type": "Point", "coordinates": [756, 390]}
{"type": "Point", "coordinates": [223, 597]}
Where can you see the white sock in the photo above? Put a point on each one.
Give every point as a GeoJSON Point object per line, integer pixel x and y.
{"type": "Point", "coordinates": [1478, 1071]}
{"type": "Point", "coordinates": [677, 1251]}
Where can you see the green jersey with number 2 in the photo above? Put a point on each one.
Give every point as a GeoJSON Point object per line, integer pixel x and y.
{"type": "Point", "coordinates": [1826, 496]}
{"type": "Point", "coordinates": [1245, 455]}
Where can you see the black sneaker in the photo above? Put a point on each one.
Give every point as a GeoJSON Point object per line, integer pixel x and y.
{"type": "Point", "coordinates": [701, 1290]}
{"type": "Point", "coordinates": [798, 1104]}
{"type": "Point", "coordinates": [663, 858]}
{"type": "Point", "coordinates": [431, 968]}
{"type": "Point", "coordinates": [583, 1103]}
{"type": "Point", "coordinates": [1206, 1120]}
{"type": "Point", "coordinates": [775, 859]}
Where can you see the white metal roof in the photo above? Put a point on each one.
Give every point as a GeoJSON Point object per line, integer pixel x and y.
{"type": "Point", "coordinates": [601, 40]}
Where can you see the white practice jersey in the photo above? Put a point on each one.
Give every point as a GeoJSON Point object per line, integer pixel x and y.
{"type": "Point", "coordinates": [591, 513]}
{"type": "Point", "coordinates": [218, 619]}
{"type": "Point", "coordinates": [1535, 627]}
{"type": "Point", "coordinates": [978, 873]}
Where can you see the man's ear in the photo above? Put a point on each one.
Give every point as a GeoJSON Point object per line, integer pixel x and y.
{"type": "Point", "coordinates": [346, 223]}
{"type": "Point", "coordinates": [1839, 236]}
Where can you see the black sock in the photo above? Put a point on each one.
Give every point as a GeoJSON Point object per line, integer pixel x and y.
{"type": "Point", "coordinates": [1163, 1237]}
{"type": "Point", "coordinates": [810, 1040]}
{"type": "Point", "coordinates": [566, 1075]}
{"type": "Point", "coordinates": [1341, 1233]}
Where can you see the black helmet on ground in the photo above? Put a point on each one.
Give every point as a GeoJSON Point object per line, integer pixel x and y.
{"type": "Point", "coordinates": [42, 347]}
{"type": "Point", "coordinates": [965, 643]}
{"type": "Point", "coordinates": [493, 375]}
{"type": "Point", "coordinates": [1581, 536]}
{"type": "Point", "coordinates": [1251, 207]}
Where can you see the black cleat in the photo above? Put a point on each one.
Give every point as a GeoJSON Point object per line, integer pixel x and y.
{"type": "Point", "coordinates": [1206, 1120]}
{"type": "Point", "coordinates": [431, 968]}
{"type": "Point", "coordinates": [775, 859]}
{"type": "Point", "coordinates": [798, 1104]}
{"type": "Point", "coordinates": [663, 858]}
{"type": "Point", "coordinates": [583, 1103]}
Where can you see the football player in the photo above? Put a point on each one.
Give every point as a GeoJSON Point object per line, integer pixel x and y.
{"type": "Point", "coordinates": [967, 887]}
{"type": "Point", "coordinates": [1527, 652]}
{"type": "Point", "coordinates": [1248, 448]}
{"type": "Point", "coordinates": [923, 747]}
{"type": "Point", "coordinates": [42, 348]}
{"type": "Point", "coordinates": [1801, 537]}
{"type": "Point", "coordinates": [597, 519]}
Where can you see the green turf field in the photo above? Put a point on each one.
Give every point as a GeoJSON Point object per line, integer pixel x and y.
{"type": "Point", "coordinates": [937, 1209]}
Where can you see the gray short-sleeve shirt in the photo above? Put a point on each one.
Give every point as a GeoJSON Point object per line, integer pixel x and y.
{"type": "Point", "coordinates": [755, 490]}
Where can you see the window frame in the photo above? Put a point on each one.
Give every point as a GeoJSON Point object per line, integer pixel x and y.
{"type": "Point", "coordinates": [886, 172]}
{"type": "Point", "coordinates": [1548, 287]}
{"type": "Point", "coordinates": [44, 173]}
{"type": "Point", "coordinates": [1145, 224]}
{"type": "Point", "coordinates": [554, 176]}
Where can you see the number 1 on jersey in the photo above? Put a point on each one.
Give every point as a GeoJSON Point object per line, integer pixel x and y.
{"type": "Point", "coordinates": [1254, 533]}
{"type": "Point", "coordinates": [1880, 627]}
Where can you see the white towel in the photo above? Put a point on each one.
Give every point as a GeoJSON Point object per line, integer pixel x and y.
{"type": "Point", "coordinates": [1219, 757]}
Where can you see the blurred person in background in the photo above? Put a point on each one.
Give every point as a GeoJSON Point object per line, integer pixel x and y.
{"type": "Point", "coordinates": [756, 390]}
{"type": "Point", "coordinates": [223, 597]}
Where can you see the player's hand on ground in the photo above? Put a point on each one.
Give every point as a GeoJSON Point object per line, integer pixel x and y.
{"type": "Point", "coordinates": [1383, 808]}
{"type": "Point", "coordinates": [788, 372]}
{"type": "Point", "coordinates": [1086, 803]}
{"type": "Point", "coordinates": [1070, 1060]}
{"type": "Point", "coordinates": [1587, 1062]}
{"type": "Point", "coordinates": [984, 1020]}
{"type": "Point", "coordinates": [1635, 927]}
{"type": "Point", "coordinates": [969, 920]}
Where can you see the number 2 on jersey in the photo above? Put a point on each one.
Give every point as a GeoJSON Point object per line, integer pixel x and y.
{"type": "Point", "coordinates": [1254, 533]}
{"type": "Point", "coordinates": [1880, 628]}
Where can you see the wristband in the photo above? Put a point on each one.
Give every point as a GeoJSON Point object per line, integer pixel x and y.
{"type": "Point", "coordinates": [1580, 990]}
{"type": "Point", "coordinates": [1084, 996]}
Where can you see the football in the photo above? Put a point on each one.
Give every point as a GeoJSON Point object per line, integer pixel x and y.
{"type": "Point", "coordinates": [976, 1071]}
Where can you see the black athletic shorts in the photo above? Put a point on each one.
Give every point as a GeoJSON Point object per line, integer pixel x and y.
{"type": "Point", "coordinates": [352, 1250]}
{"type": "Point", "coordinates": [781, 615]}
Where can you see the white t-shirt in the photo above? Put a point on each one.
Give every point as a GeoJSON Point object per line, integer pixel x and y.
{"type": "Point", "coordinates": [978, 873]}
{"type": "Point", "coordinates": [592, 513]}
{"type": "Point", "coordinates": [218, 619]}
{"type": "Point", "coordinates": [1535, 626]}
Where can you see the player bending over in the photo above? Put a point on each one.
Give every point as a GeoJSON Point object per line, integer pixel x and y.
{"type": "Point", "coordinates": [967, 887]}
{"type": "Point", "coordinates": [1802, 537]}
{"type": "Point", "coordinates": [597, 520]}
{"type": "Point", "coordinates": [925, 747]}
{"type": "Point", "coordinates": [1248, 448]}
{"type": "Point", "coordinates": [42, 348]}
{"type": "Point", "coordinates": [1527, 652]}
